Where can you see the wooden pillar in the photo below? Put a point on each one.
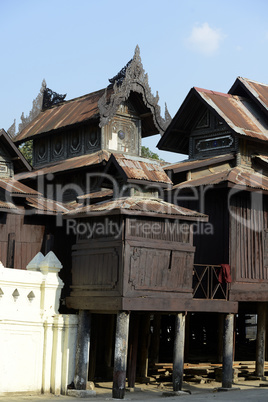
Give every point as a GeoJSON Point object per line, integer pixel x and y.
{"type": "Point", "coordinates": [155, 339]}
{"type": "Point", "coordinates": [187, 336]}
{"type": "Point", "coordinates": [261, 334]}
{"type": "Point", "coordinates": [227, 358]}
{"type": "Point", "coordinates": [178, 352]}
{"type": "Point", "coordinates": [144, 347]}
{"type": "Point", "coordinates": [133, 348]}
{"type": "Point", "coordinates": [82, 350]}
{"type": "Point", "coordinates": [109, 343]}
{"type": "Point", "coordinates": [220, 336]}
{"type": "Point", "coordinates": [120, 355]}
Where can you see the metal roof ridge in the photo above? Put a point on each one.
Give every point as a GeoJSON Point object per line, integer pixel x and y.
{"type": "Point", "coordinates": [212, 92]}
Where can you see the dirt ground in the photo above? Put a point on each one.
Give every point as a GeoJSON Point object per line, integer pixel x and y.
{"type": "Point", "coordinates": [153, 392]}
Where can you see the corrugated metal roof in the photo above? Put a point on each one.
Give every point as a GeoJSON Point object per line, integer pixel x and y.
{"type": "Point", "coordinates": [241, 114]}
{"type": "Point", "coordinates": [9, 206]}
{"type": "Point", "coordinates": [195, 164]}
{"type": "Point", "coordinates": [143, 206]}
{"type": "Point", "coordinates": [96, 194]}
{"type": "Point", "coordinates": [68, 164]}
{"type": "Point", "coordinates": [138, 168]}
{"type": "Point", "coordinates": [237, 176]}
{"type": "Point", "coordinates": [64, 114]}
{"type": "Point", "coordinates": [258, 90]}
{"type": "Point", "coordinates": [237, 112]}
{"type": "Point", "coordinates": [16, 188]}
{"type": "Point", "coordinates": [47, 206]}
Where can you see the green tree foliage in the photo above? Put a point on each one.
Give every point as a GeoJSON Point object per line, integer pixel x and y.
{"type": "Point", "coordinates": [27, 150]}
{"type": "Point", "coordinates": [147, 153]}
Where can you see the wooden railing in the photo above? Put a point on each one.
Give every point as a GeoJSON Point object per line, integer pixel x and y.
{"type": "Point", "coordinates": [206, 284]}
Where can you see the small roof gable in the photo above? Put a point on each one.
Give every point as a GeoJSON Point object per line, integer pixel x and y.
{"type": "Point", "coordinates": [130, 82]}
{"type": "Point", "coordinates": [236, 112]}
{"type": "Point", "coordinates": [137, 206]}
{"type": "Point", "coordinates": [19, 162]}
{"type": "Point", "coordinates": [138, 170]}
{"type": "Point", "coordinates": [256, 91]}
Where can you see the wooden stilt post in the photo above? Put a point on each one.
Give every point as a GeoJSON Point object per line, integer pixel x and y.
{"type": "Point", "coordinates": [261, 334]}
{"type": "Point", "coordinates": [144, 347]}
{"type": "Point", "coordinates": [187, 337]}
{"type": "Point", "coordinates": [155, 340]}
{"type": "Point", "coordinates": [120, 355]}
{"type": "Point", "coordinates": [82, 350]}
{"type": "Point", "coordinates": [178, 353]}
{"type": "Point", "coordinates": [133, 349]}
{"type": "Point", "coordinates": [220, 336]}
{"type": "Point", "coordinates": [109, 344]}
{"type": "Point", "coordinates": [227, 358]}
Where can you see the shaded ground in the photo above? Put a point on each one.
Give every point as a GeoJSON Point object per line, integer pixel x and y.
{"type": "Point", "coordinates": [249, 391]}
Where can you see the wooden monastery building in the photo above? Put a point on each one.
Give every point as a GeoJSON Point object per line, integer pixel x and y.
{"type": "Point", "coordinates": [148, 248]}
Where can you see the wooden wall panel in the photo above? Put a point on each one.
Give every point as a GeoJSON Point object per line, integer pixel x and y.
{"type": "Point", "coordinates": [96, 268]}
{"type": "Point", "coordinates": [28, 239]}
{"type": "Point", "coordinates": [161, 270]}
{"type": "Point", "coordinates": [248, 224]}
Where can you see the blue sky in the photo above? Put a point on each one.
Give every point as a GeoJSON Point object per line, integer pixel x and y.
{"type": "Point", "coordinates": [77, 45]}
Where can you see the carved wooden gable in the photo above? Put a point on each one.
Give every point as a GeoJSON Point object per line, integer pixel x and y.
{"type": "Point", "coordinates": [210, 137]}
{"type": "Point", "coordinates": [6, 164]}
{"type": "Point", "coordinates": [123, 132]}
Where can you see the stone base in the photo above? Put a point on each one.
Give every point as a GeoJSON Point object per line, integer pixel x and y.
{"type": "Point", "coordinates": [77, 393]}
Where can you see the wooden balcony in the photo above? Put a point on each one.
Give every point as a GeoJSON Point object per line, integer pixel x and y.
{"type": "Point", "coordinates": [206, 284]}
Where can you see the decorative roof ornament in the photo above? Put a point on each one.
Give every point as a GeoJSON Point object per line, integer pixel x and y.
{"type": "Point", "coordinates": [51, 98]}
{"type": "Point", "coordinates": [36, 109]}
{"type": "Point", "coordinates": [119, 78]}
{"type": "Point", "coordinates": [132, 78]}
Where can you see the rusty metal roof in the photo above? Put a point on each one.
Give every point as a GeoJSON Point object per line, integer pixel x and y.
{"type": "Point", "coordinates": [96, 194]}
{"type": "Point", "coordinates": [241, 114]}
{"type": "Point", "coordinates": [256, 91]}
{"type": "Point", "coordinates": [16, 188]}
{"type": "Point", "coordinates": [64, 114]}
{"type": "Point", "coordinates": [138, 168]}
{"type": "Point", "coordinates": [197, 163]}
{"type": "Point", "coordinates": [247, 178]}
{"type": "Point", "coordinates": [237, 112]}
{"type": "Point", "coordinates": [9, 207]}
{"type": "Point", "coordinates": [46, 206]}
{"type": "Point", "coordinates": [68, 165]}
{"type": "Point", "coordinates": [138, 206]}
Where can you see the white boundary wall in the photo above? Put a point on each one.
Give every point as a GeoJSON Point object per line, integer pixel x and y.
{"type": "Point", "coordinates": [37, 345]}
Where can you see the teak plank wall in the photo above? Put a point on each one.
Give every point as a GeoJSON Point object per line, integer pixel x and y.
{"type": "Point", "coordinates": [28, 240]}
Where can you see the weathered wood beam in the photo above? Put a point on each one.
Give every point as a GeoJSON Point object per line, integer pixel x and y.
{"type": "Point", "coordinates": [178, 351]}
{"type": "Point", "coordinates": [144, 347]}
{"type": "Point", "coordinates": [120, 355]}
{"type": "Point", "coordinates": [82, 350]}
{"type": "Point", "coordinates": [227, 358]}
{"type": "Point", "coordinates": [133, 348]}
{"type": "Point", "coordinates": [261, 335]}
{"type": "Point", "coordinates": [155, 339]}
